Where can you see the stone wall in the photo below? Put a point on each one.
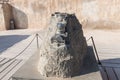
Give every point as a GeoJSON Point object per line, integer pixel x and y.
{"type": "Point", "coordinates": [92, 13]}
{"type": "Point", "coordinates": [7, 13]}
{"type": "Point", "coordinates": [2, 24]}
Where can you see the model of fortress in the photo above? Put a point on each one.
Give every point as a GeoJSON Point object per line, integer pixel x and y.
{"type": "Point", "coordinates": [63, 48]}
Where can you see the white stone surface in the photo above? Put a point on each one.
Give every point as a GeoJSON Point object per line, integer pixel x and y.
{"type": "Point", "coordinates": [16, 48]}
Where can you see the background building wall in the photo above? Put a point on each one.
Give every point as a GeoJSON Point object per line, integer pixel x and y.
{"type": "Point", "coordinates": [7, 14]}
{"type": "Point", "coordinates": [2, 24]}
{"type": "Point", "coordinates": [97, 14]}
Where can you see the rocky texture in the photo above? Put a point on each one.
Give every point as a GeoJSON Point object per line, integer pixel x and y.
{"type": "Point", "coordinates": [64, 47]}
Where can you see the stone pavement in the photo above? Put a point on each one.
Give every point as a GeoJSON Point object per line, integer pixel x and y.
{"type": "Point", "coordinates": [11, 44]}
{"type": "Point", "coordinates": [89, 70]}
{"type": "Point", "coordinates": [107, 43]}
{"type": "Point", "coordinates": [108, 47]}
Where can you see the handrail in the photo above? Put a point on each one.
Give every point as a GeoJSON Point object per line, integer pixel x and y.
{"type": "Point", "coordinates": [36, 36]}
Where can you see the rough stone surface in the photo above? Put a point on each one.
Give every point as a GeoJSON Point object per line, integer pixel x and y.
{"type": "Point", "coordinates": [64, 47]}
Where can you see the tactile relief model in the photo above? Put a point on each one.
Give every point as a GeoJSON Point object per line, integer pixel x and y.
{"type": "Point", "coordinates": [63, 47]}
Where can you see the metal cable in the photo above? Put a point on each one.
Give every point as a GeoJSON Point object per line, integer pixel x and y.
{"type": "Point", "coordinates": [20, 52]}
{"type": "Point", "coordinates": [88, 39]}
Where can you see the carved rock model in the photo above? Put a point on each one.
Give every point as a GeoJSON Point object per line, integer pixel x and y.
{"type": "Point", "coordinates": [63, 48]}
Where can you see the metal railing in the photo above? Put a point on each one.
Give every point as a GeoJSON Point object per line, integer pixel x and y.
{"type": "Point", "coordinates": [97, 56]}
{"type": "Point", "coordinates": [37, 39]}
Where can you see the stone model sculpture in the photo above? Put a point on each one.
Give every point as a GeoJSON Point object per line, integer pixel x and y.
{"type": "Point", "coordinates": [64, 47]}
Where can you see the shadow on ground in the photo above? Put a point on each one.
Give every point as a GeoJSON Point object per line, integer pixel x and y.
{"type": "Point", "coordinates": [112, 61]}
{"type": "Point", "coordinates": [89, 63]}
{"type": "Point", "coordinates": [110, 68]}
{"type": "Point", "coordinates": [10, 40]}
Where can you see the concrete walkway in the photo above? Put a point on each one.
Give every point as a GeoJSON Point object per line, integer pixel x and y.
{"type": "Point", "coordinates": [107, 43]}
{"type": "Point", "coordinates": [108, 47]}
{"type": "Point", "coordinates": [11, 44]}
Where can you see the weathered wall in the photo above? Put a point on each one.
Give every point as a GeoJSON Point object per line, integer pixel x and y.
{"type": "Point", "coordinates": [91, 13]}
{"type": "Point", "coordinates": [2, 24]}
{"type": "Point", "coordinates": [7, 13]}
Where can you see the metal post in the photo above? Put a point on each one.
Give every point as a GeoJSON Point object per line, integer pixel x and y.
{"type": "Point", "coordinates": [37, 41]}
{"type": "Point", "coordinates": [99, 62]}
{"type": "Point", "coordinates": [95, 50]}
